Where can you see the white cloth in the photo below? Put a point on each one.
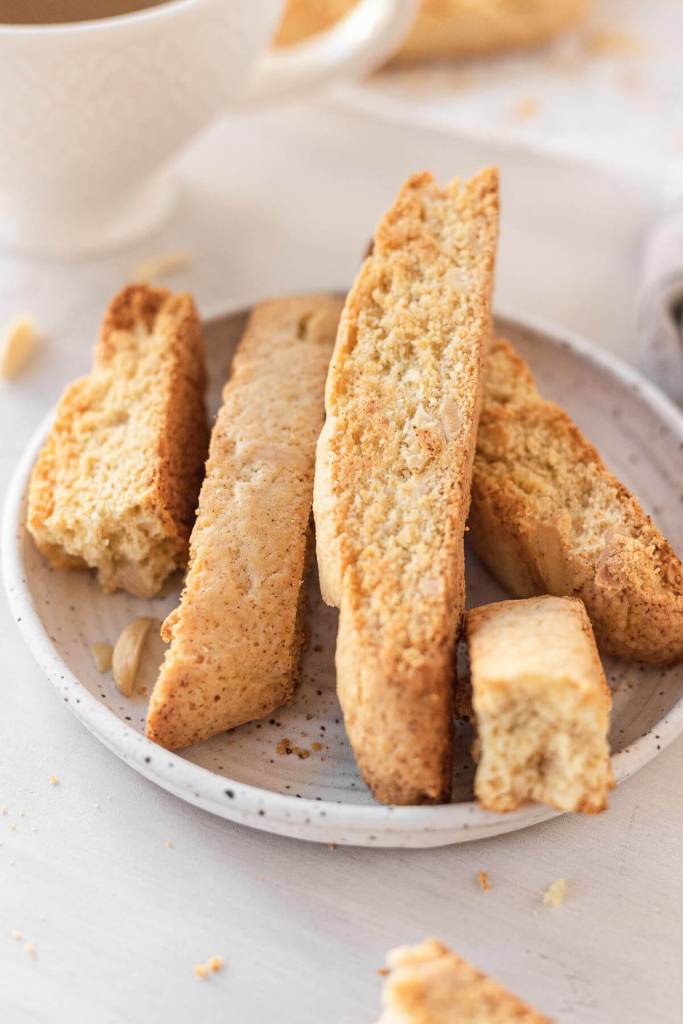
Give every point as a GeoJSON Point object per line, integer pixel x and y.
{"type": "Point", "coordinates": [660, 307]}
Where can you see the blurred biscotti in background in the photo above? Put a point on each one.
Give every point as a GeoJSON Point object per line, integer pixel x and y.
{"type": "Point", "coordinates": [448, 28]}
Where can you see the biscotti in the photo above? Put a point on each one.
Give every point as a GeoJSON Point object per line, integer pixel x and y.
{"type": "Point", "coordinates": [430, 984]}
{"type": "Point", "coordinates": [393, 477]}
{"type": "Point", "coordinates": [548, 517]}
{"type": "Point", "coordinates": [448, 28]}
{"type": "Point", "coordinates": [236, 636]}
{"type": "Point", "coordinates": [116, 483]}
{"type": "Point", "coordinates": [541, 705]}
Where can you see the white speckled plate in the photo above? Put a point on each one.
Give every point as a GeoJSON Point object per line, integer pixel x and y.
{"type": "Point", "coordinates": [246, 775]}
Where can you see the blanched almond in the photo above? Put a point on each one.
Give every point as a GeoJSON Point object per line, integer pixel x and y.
{"type": "Point", "coordinates": [127, 652]}
{"type": "Point", "coordinates": [163, 265]}
{"type": "Point", "coordinates": [18, 344]}
{"type": "Point", "coordinates": [102, 656]}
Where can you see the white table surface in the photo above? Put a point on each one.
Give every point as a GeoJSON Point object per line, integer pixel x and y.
{"type": "Point", "coordinates": [117, 917]}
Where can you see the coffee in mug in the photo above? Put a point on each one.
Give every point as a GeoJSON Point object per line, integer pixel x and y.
{"type": "Point", "coordinates": [54, 12]}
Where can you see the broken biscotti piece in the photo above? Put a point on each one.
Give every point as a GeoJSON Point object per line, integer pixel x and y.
{"type": "Point", "coordinates": [393, 473]}
{"type": "Point", "coordinates": [429, 984]}
{"type": "Point", "coordinates": [236, 636]}
{"type": "Point", "coordinates": [116, 483]}
{"type": "Point", "coordinates": [548, 517]}
{"type": "Point", "coordinates": [541, 704]}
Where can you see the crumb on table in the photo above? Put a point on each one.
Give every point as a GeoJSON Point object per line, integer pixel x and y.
{"type": "Point", "coordinates": [483, 879]}
{"type": "Point", "coordinates": [212, 966]}
{"type": "Point", "coordinates": [555, 894]}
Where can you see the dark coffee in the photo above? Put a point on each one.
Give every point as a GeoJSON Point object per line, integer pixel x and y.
{"type": "Point", "coordinates": [52, 12]}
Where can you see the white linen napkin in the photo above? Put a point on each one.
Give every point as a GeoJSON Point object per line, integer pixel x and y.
{"type": "Point", "coordinates": [660, 307]}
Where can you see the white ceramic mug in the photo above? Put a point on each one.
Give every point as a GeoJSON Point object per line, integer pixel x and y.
{"type": "Point", "coordinates": [91, 112]}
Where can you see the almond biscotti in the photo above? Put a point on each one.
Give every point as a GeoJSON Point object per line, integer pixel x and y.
{"type": "Point", "coordinates": [448, 28]}
{"type": "Point", "coordinates": [548, 517]}
{"type": "Point", "coordinates": [236, 637]}
{"type": "Point", "coordinates": [393, 477]}
{"type": "Point", "coordinates": [430, 984]}
{"type": "Point", "coordinates": [115, 485]}
{"type": "Point", "coordinates": [541, 705]}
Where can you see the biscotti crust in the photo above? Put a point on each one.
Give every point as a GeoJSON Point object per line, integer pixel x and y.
{"type": "Point", "coordinates": [236, 636]}
{"type": "Point", "coordinates": [541, 705]}
{"type": "Point", "coordinates": [115, 485]}
{"type": "Point", "coordinates": [393, 475]}
{"type": "Point", "coordinates": [547, 516]}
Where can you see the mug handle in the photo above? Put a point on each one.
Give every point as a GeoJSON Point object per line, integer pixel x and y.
{"type": "Point", "coordinates": [358, 43]}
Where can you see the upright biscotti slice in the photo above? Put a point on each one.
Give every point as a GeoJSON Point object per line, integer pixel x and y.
{"type": "Point", "coordinates": [430, 984]}
{"type": "Point", "coordinates": [548, 517]}
{"type": "Point", "coordinates": [116, 484]}
{"type": "Point", "coordinates": [541, 704]}
{"type": "Point", "coordinates": [236, 636]}
{"type": "Point", "coordinates": [393, 477]}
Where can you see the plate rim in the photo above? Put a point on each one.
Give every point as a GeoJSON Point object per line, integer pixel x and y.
{"type": "Point", "coordinates": [267, 810]}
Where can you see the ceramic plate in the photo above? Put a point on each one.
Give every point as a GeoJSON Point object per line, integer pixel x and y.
{"type": "Point", "coordinates": [294, 774]}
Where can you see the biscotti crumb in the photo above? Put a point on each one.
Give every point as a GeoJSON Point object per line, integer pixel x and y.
{"type": "Point", "coordinates": [18, 344]}
{"type": "Point", "coordinates": [102, 656]}
{"type": "Point", "coordinates": [286, 746]}
{"type": "Point", "coordinates": [168, 843]}
{"type": "Point", "coordinates": [53, 780]}
{"type": "Point", "coordinates": [212, 965]}
{"type": "Point", "coordinates": [527, 107]}
{"type": "Point", "coordinates": [15, 935]}
{"type": "Point", "coordinates": [30, 950]}
{"type": "Point", "coordinates": [483, 879]}
{"type": "Point", "coordinates": [555, 894]}
{"type": "Point", "coordinates": [164, 265]}
{"type": "Point", "coordinates": [127, 654]}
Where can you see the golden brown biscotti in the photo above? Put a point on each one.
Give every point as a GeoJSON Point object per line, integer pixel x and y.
{"type": "Point", "coordinates": [448, 28]}
{"type": "Point", "coordinates": [236, 637]}
{"type": "Point", "coordinates": [430, 984]}
{"type": "Point", "coordinates": [116, 484]}
{"type": "Point", "coordinates": [393, 473]}
{"type": "Point", "coordinates": [548, 517]}
{"type": "Point", "coordinates": [541, 705]}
